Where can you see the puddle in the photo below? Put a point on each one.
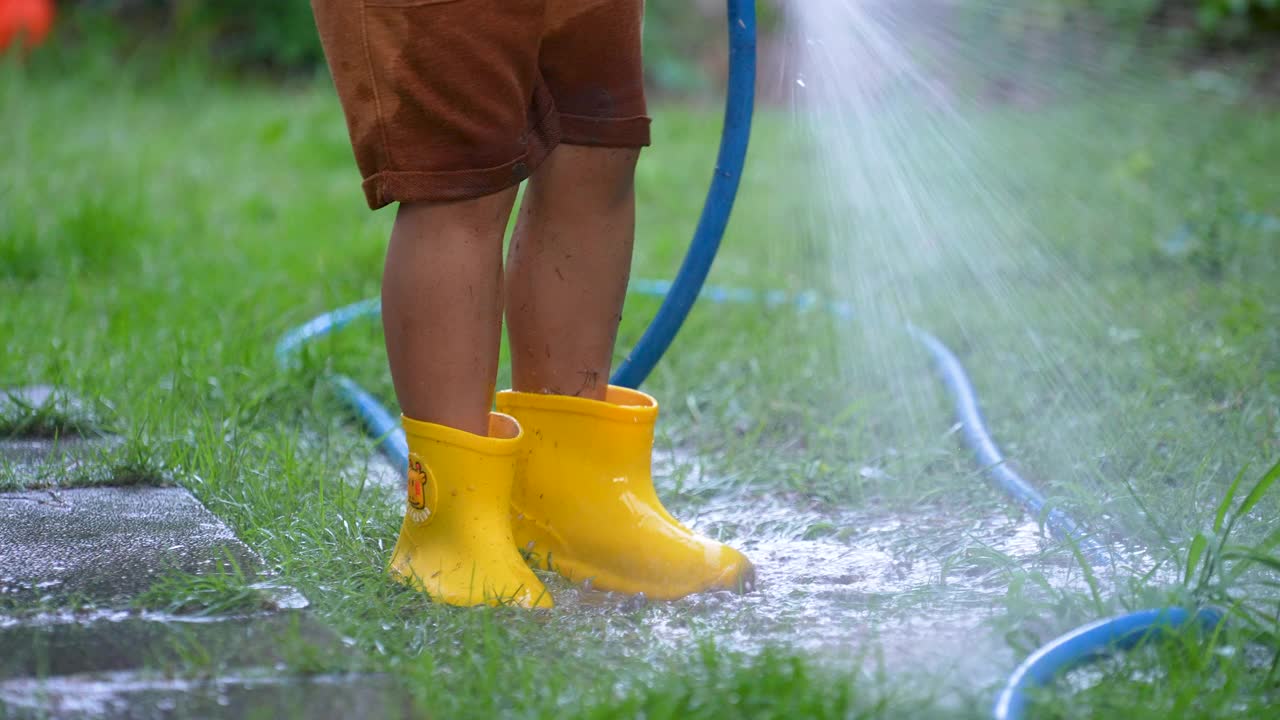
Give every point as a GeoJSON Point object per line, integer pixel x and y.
{"type": "Point", "coordinates": [913, 591]}
{"type": "Point", "coordinates": [369, 469]}
{"type": "Point", "coordinates": [378, 473]}
{"type": "Point", "coordinates": [909, 591]}
{"type": "Point", "coordinates": [897, 590]}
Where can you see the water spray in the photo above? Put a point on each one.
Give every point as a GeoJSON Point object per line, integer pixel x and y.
{"type": "Point", "coordinates": [1078, 647]}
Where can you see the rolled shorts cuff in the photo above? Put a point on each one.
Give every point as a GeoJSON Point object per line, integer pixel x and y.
{"type": "Point", "coordinates": [605, 132]}
{"type": "Point", "coordinates": [388, 186]}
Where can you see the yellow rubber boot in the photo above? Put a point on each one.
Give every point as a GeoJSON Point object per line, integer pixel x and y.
{"type": "Point", "coordinates": [455, 543]}
{"type": "Point", "coordinates": [584, 503]}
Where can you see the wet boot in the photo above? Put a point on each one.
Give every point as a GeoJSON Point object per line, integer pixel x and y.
{"type": "Point", "coordinates": [584, 505]}
{"type": "Point", "coordinates": [455, 543]}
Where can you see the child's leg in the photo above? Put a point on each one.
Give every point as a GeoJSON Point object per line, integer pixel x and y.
{"type": "Point", "coordinates": [584, 503]}
{"type": "Point", "coordinates": [442, 308]}
{"type": "Point", "coordinates": [447, 111]}
{"type": "Point", "coordinates": [567, 270]}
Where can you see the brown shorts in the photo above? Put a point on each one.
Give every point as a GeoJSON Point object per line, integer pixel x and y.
{"type": "Point", "coordinates": [454, 99]}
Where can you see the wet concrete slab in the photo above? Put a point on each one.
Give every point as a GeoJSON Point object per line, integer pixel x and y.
{"type": "Point", "coordinates": [49, 398]}
{"type": "Point", "coordinates": [127, 665]}
{"type": "Point", "coordinates": [43, 455]}
{"type": "Point", "coordinates": [107, 545]}
{"type": "Point", "coordinates": [114, 641]}
{"type": "Point", "coordinates": [74, 460]}
{"type": "Point", "coordinates": [65, 452]}
{"type": "Point", "coordinates": [125, 696]}
{"type": "Point", "coordinates": [64, 549]}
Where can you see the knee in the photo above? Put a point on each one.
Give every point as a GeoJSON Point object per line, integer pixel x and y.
{"type": "Point", "coordinates": [602, 176]}
{"type": "Point", "coordinates": [618, 180]}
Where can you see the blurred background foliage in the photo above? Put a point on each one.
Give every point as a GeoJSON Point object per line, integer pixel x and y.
{"type": "Point", "coordinates": [684, 41]}
{"type": "Point", "coordinates": [1205, 22]}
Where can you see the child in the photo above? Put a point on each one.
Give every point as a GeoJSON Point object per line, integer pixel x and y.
{"type": "Point", "coordinates": [451, 104]}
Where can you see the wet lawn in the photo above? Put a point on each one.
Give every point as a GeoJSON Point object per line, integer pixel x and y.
{"type": "Point", "coordinates": [160, 230]}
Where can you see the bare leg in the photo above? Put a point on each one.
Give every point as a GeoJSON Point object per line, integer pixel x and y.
{"type": "Point", "coordinates": [442, 308]}
{"type": "Point", "coordinates": [567, 270]}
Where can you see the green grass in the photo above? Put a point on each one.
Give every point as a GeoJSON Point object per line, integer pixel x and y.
{"type": "Point", "coordinates": [55, 417]}
{"type": "Point", "coordinates": [160, 230]}
{"type": "Point", "coordinates": [225, 591]}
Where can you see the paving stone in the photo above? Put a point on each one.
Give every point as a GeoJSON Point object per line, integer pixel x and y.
{"type": "Point", "coordinates": [50, 397]}
{"type": "Point", "coordinates": [131, 697]}
{"type": "Point", "coordinates": [65, 452]}
{"type": "Point", "coordinates": [126, 666]}
{"type": "Point", "coordinates": [113, 641]}
{"type": "Point", "coordinates": [33, 461]}
{"type": "Point", "coordinates": [42, 463]}
{"type": "Point", "coordinates": [107, 545]}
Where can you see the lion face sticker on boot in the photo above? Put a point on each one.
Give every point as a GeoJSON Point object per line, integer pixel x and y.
{"type": "Point", "coordinates": [422, 490]}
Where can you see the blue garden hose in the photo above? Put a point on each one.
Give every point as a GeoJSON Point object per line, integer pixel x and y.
{"type": "Point", "coordinates": [738, 110]}
{"type": "Point", "coordinates": [1093, 642]}
{"type": "Point", "coordinates": [1071, 650]}
{"type": "Point", "coordinates": [979, 440]}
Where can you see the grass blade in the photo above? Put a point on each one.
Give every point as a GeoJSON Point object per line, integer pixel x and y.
{"type": "Point", "coordinates": [1089, 577]}
{"type": "Point", "coordinates": [1225, 506]}
{"type": "Point", "coordinates": [1198, 547]}
{"type": "Point", "coordinates": [1270, 562]}
{"type": "Point", "coordinates": [1259, 490]}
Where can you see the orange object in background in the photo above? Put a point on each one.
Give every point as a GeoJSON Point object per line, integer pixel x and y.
{"type": "Point", "coordinates": [24, 21]}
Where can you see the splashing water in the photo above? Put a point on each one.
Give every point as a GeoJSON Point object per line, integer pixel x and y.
{"type": "Point", "coordinates": [932, 157]}
{"type": "Point", "coordinates": [936, 160]}
{"type": "Point", "coordinates": [918, 227]}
